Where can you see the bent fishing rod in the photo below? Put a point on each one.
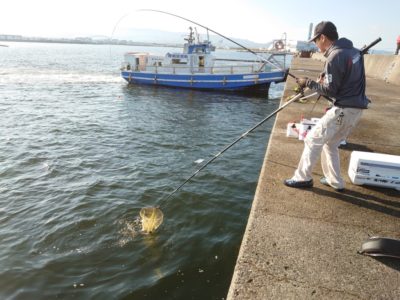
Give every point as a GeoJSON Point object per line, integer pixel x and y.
{"type": "Point", "coordinates": [221, 35]}
{"type": "Point", "coordinates": [296, 97]}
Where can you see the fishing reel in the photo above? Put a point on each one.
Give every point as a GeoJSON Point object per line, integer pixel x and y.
{"type": "Point", "coordinates": [299, 90]}
{"type": "Point", "coordinates": [299, 93]}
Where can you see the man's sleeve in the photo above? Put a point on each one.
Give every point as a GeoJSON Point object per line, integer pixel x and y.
{"type": "Point", "coordinates": [333, 79]}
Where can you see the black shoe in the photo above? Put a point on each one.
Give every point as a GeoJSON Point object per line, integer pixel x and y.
{"type": "Point", "coordinates": [298, 184]}
{"type": "Point", "coordinates": [325, 182]}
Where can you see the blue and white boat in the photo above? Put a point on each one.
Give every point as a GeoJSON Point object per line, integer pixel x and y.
{"type": "Point", "coordinates": [197, 68]}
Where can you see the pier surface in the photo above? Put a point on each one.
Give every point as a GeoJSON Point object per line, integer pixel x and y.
{"type": "Point", "coordinates": [302, 243]}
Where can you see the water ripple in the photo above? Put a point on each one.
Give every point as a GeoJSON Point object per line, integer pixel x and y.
{"type": "Point", "coordinates": [81, 153]}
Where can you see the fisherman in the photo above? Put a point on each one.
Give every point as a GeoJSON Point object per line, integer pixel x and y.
{"type": "Point", "coordinates": [343, 80]}
{"type": "Point", "coordinates": [398, 45]}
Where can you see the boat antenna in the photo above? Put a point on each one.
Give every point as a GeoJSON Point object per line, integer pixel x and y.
{"type": "Point", "coordinates": [225, 37]}
{"type": "Point", "coordinates": [197, 35]}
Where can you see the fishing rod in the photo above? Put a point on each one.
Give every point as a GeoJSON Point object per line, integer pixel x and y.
{"type": "Point", "coordinates": [152, 217]}
{"type": "Point", "coordinates": [296, 97]}
{"type": "Point", "coordinates": [308, 96]}
{"type": "Point", "coordinates": [364, 50]}
{"type": "Point", "coordinates": [225, 37]}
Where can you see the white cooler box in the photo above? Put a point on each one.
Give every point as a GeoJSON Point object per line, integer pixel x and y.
{"type": "Point", "coordinates": [375, 169]}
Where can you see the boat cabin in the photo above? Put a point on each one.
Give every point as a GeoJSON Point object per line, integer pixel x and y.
{"type": "Point", "coordinates": [195, 58]}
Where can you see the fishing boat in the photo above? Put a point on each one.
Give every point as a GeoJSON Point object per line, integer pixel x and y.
{"type": "Point", "coordinates": [197, 68]}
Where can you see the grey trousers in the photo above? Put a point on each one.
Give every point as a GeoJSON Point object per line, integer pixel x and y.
{"type": "Point", "coordinates": [325, 137]}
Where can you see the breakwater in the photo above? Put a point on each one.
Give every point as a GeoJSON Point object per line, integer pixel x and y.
{"type": "Point", "coordinates": [302, 244]}
{"type": "Point", "coordinates": [382, 67]}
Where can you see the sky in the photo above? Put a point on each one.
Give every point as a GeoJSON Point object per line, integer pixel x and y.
{"type": "Point", "coordinates": [256, 20]}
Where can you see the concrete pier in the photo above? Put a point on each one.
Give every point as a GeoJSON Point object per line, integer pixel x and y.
{"type": "Point", "coordinates": [302, 243]}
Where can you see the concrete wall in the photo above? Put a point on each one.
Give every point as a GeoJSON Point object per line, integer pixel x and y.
{"type": "Point", "coordinates": [382, 67]}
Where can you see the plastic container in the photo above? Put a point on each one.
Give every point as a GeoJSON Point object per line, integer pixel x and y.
{"type": "Point", "coordinates": [292, 130]}
{"type": "Point", "coordinates": [300, 130]}
{"type": "Point", "coordinates": [375, 169]}
{"type": "Point", "coordinates": [305, 128]}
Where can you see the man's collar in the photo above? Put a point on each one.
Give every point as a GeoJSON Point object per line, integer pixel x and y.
{"type": "Point", "coordinates": [328, 51]}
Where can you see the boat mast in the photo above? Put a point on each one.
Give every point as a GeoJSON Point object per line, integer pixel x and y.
{"type": "Point", "coordinates": [190, 38]}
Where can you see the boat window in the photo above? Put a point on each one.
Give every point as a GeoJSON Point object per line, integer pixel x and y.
{"type": "Point", "coordinates": [178, 61]}
{"type": "Point", "coordinates": [201, 61]}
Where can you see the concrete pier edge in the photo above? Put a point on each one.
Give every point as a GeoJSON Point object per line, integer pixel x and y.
{"type": "Point", "coordinates": [302, 243]}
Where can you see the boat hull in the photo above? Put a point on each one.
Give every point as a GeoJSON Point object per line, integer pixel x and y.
{"type": "Point", "coordinates": [205, 81]}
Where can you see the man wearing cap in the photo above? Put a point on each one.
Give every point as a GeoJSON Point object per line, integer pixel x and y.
{"type": "Point", "coordinates": [343, 81]}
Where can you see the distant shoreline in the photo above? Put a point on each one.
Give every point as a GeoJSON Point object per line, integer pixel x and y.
{"type": "Point", "coordinates": [84, 42]}
{"type": "Point", "coordinates": [92, 42]}
{"type": "Point", "coordinates": [87, 41]}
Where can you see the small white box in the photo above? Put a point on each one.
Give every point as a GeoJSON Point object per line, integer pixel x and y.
{"type": "Point", "coordinates": [292, 130]}
{"type": "Point", "coordinates": [375, 169]}
{"type": "Point", "coordinates": [305, 127]}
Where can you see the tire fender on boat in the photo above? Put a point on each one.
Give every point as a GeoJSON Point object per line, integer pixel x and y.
{"type": "Point", "coordinates": [279, 45]}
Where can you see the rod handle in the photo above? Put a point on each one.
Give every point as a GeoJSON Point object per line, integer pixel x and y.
{"type": "Point", "coordinates": [366, 48]}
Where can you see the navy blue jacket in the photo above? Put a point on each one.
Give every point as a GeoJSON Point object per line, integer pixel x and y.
{"type": "Point", "coordinates": [344, 76]}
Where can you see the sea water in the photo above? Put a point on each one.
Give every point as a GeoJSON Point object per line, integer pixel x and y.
{"type": "Point", "coordinates": [81, 152]}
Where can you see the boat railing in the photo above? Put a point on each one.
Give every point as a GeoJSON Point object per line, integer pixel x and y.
{"type": "Point", "coordinates": [222, 69]}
